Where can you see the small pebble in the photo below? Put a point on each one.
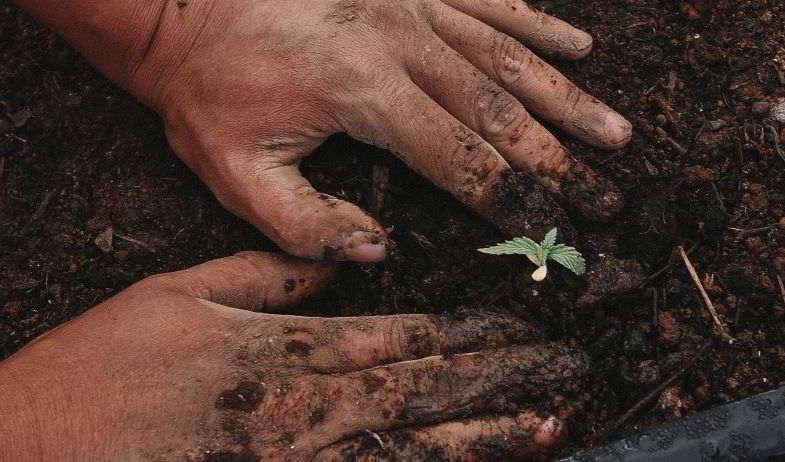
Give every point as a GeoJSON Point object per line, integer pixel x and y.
{"type": "Point", "coordinates": [104, 240]}
{"type": "Point", "coordinates": [761, 108]}
{"type": "Point", "coordinates": [715, 125]}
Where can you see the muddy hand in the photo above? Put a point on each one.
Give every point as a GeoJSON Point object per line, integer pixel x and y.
{"type": "Point", "coordinates": [249, 88]}
{"type": "Point", "coordinates": [170, 369]}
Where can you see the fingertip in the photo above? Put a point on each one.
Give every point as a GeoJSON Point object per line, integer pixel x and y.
{"type": "Point", "coordinates": [365, 247]}
{"type": "Point", "coordinates": [367, 253]}
{"type": "Point", "coordinates": [617, 130]}
{"type": "Point", "coordinates": [580, 46]}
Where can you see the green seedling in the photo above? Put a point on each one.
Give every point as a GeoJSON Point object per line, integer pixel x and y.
{"type": "Point", "coordinates": [541, 253]}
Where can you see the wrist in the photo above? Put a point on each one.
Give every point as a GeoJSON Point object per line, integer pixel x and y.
{"type": "Point", "coordinates": [179, 27]}
{"type": "Point", "coordinates": [42, 418]}
{"type": "Point", "coordinates": [37, 423]}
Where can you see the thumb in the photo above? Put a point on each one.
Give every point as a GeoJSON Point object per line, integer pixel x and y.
{"type": "Point", "coordinates": [304, 222]}
{"type": "Point", "coordinates": [268, 190]}
{"type": "Point", "coordinates": [256, 281]}
{"type": "Point", "coordinates": [260, 182]}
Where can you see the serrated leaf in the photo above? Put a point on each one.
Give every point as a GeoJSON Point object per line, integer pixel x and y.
{"type": "Point", "coordinates": [517, 246]}
{"type": "Point", "coordinates": [550, 238]}
{"type": "Point", "coordinates": [542, 256]}
{"type": "Point", "coordinates": [569, 258]}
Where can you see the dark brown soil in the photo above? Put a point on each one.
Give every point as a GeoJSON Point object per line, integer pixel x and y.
{"type": "Point", "coordinates": [78, 155]}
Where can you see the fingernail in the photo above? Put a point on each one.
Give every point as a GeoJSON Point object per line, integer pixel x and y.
{"type": "Point", "coordinates": [583, 43]}
{"type": "Point", "coordinates": [618, 130]}
{"type": "Point", "coordinates": [363, 247]}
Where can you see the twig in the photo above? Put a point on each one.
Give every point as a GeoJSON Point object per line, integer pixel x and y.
{"type": "Point", "coordinates": [376, 436]}
{"type": "Point", "coordinates": [381, 181]}
{"type": "Point", "coordinates": [2, 167]}
{"type": "Point", "coordinates": [660, 388]}
{"type": "Point", "coordinates": [668, 266]}
{"type": "Point", "coordinates": [39, 211]}
{"type": "Point", "coordinates": [709, 305]}
{"type": "Point", "coordinates": [782, 288]}
{"type": "Point", "coordinates": [675, 144]}
{"type": "Point", "coordinates": [753, 231]}
{"type": "Point", "coordinates": [135, 241]}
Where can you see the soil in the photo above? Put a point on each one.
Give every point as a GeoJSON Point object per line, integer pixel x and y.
{"type": "Point", "coordinates": [78, 156]}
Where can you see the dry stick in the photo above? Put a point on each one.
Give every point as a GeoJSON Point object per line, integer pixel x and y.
{"type": "Point", "coordinates": [135, 241]}
{"type": "Point", "coordinates": [749, 232]}
{"type": "Point", "coordinates": [709, 305]}
{"type": "Point", "coordinates": [660, 388]}
{"type": "Point", "coordinates": [782, 288]}
{"type": "Point", "coordinates": [668, 266]}
{"type": "Point", "coordinates": [381, 182]}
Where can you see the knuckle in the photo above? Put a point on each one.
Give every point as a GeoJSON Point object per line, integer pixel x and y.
{"type": "Point", "coordinates": [383, 83]}
{"type": "Point", "coordinates": [164, 282]}
{"type": "Point", "coordinates": [502, 118]}
{"type": "Point", "coordinates": [472, 163]}
{"type": "Point", "coordinates": [300, 406]}
{"type": "Point", "coordinates": [376, 14]}
{"type": "Point", "coordinates": [410, 338]}
{"type": "Point", "coordinates": [572, 98]}
{"type": "Point", "coordinates": [347, 11]}
{"type": "Point", "coordinates": [510, 59]}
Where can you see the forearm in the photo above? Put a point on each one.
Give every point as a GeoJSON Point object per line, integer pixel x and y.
{"type": "Point", "coordinates": [111, 34]}
{"type": "Point", "coordinates": [19, 424]}
{"type": "Point", "coordinates": [46, 409]}
{"type": "Point", "coordinates": [133, 42]}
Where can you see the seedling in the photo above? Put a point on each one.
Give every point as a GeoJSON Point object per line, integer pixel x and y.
{"type": "Point", "coordinates": [539, 254]}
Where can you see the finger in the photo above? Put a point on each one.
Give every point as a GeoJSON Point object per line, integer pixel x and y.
{"type": "Point", "coordinates": [501, 119]}
{"type": "Point", "coordinates": [523, 437]}
{"type": "Point", "coordinates": [374, 341]}
{"type": "Point", "coordinates": [545, 33]}
{"type": "Point", "coordinates": [435, 144]}
{"type": "Point", "coordinates": [277, 199]}
{"type": "Point", "coordinates": [542, 89]}
{"type": "Point", "coordinates": [256, 281]}
{"type": "Point", "coordinates": [441, 388]}
{"type": "Point", "coordinates": [329, 345]}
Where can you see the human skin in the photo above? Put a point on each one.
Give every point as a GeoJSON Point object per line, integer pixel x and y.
{"type": "Point", "coordinates": [178, 367]}
{"type": "Point", "coordinates": [248, 88]}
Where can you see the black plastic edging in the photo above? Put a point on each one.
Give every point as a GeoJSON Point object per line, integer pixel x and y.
{"type": "Point", "coordinates": [752, 429]}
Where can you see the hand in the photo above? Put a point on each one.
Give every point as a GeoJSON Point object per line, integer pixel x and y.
{"type": "Point", "coordinates": [170, 369]}
{"type": "Point", "coordinates": [249, 88]}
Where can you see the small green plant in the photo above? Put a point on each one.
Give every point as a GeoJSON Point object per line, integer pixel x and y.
{"type": "Point", "coordinates": [539, 254]}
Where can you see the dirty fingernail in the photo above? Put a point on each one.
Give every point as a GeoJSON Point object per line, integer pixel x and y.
{"type": "Point", "coordinates": [364, 247]}
{"type": "Point", "coordinates": [617, 129]}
